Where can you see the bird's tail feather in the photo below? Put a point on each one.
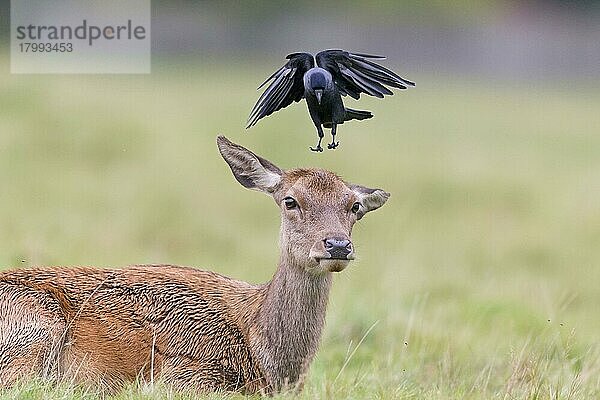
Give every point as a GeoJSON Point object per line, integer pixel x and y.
{"type": "Point", "coordinates": [357, 114]}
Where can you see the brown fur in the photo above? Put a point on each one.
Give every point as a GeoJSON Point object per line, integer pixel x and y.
{"type": "Point", "coordinates": [192, 328]}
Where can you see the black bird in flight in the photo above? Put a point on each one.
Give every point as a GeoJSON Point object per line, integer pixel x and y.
{"type": "Point", "coordinates": [338, 73]}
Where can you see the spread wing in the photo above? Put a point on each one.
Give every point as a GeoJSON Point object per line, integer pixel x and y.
{"type": "Point", "coordinates": [287, 86]}
{"type": "Point", "coordinates": [354, 73]}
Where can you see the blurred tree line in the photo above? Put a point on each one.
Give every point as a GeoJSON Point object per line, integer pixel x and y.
{"type": "Point", "coordinates": [523, 40]}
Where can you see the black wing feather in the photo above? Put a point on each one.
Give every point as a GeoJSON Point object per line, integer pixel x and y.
{"type": "Point", "coordinates": [287, 86]}
{"type": "Point", "coordinates": [354, 73]}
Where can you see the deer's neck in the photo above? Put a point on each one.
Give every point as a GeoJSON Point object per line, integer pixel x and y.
{"type": "Point", "coordinates": [290, 322]}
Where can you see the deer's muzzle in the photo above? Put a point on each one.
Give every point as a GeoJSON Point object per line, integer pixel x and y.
{"type": "Point", "coordinates": [336, 250]}
{"type": "Point", "coordinates": [339, 248]}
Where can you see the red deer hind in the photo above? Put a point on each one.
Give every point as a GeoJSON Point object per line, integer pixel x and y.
{"type": "Point", "coordinates": [193, 329]}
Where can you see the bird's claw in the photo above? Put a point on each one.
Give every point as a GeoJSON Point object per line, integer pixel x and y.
{"type": "Point", "coordinates": [333, 145]}
{"type": "Point", "coordinates": [318, 148]}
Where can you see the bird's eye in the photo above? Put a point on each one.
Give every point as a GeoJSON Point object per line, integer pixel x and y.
{"type": "Point", "coordinates": [290, 203]}
{"type": "Point", "coordinates": [355, 207]}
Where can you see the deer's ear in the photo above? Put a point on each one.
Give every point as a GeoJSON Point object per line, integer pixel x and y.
{"type": "Point", "coordinates": [370, 199]}
{"type": "Point", "coordinates": [252, 171]}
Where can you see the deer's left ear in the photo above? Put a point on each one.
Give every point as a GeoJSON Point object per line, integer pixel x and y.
{"type": "Point", "coordinates": [251, 170]}
{"type": "Point", "coordinates": [370, 199]}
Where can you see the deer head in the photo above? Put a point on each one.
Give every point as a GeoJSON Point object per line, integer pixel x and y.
{"type": "Point", "coordinates": [318, 209]}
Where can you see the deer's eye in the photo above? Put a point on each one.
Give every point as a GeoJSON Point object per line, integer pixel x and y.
{"type": "Point", "coordinates": [290, 203]}
{"type": "Point", "coordinates": [355, 207]}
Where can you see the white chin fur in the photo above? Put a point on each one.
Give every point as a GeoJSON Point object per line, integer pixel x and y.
{"type": "Point", "coordinates": [330, 265]}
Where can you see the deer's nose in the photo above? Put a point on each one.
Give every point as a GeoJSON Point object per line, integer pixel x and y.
{"type": "Point", "coordinates": [338, 247]}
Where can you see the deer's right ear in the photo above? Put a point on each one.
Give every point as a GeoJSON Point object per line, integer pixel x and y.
{"type": "Point", "coordinates": [252, 171]}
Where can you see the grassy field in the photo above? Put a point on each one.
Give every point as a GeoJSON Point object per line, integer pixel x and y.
{"type": "Point", "coordinates": [479, 279]}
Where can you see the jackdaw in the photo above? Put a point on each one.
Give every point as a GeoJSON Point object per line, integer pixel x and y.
{"type": "Point", "coordinates": [338, 73]}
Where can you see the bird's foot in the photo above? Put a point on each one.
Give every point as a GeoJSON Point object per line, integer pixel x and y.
{"type": "Point", "coordinates": [318, 148]}
{"type": "Point", "coordinates": [333, 145]}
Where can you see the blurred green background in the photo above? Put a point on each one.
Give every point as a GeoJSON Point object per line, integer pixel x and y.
{"type": "Point", "coordinates": [479, 278]}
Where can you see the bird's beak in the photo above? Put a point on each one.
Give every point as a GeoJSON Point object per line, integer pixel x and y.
{"type": "Point", "coordinates": [319, 94]}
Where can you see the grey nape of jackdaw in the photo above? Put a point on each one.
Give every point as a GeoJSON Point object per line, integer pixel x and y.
{"type": "Point", "coordinates": [338, 73]}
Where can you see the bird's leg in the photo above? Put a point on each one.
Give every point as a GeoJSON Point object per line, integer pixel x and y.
{"type": "Point", "coordinates": [321, 134]}
{"type": "Point", "coordinates": [333, 143]}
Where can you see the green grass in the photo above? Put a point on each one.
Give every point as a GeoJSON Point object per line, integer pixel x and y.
{"type": "Point", "coordinates": [479, 278]}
